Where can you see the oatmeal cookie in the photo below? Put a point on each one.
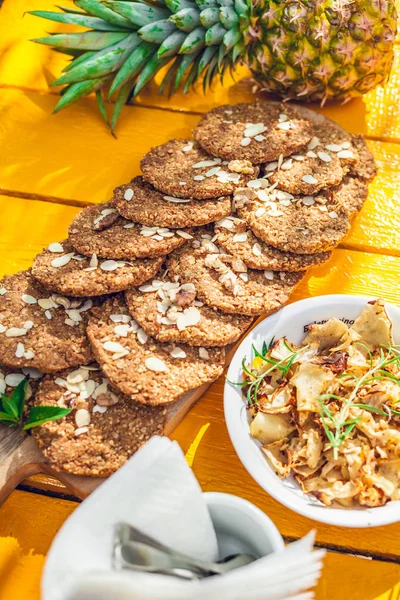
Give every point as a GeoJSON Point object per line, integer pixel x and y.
{"type": "Point", "coordinates": [10, 378]}
{"type": "Point", "coordinates": [143, 368]}
{"type": "Point", "coordinates": [224, 282]}
{"type": "Point", "coordinates": [364, 166]}
{"type": "Point", "coordinates": [104, 428]}
{"type": "Point", "coordinates": [140, 202]}
{"type": "Point", "coordinates": [170, 312]}
{"type": "Point", "coordinates": [351, 195]}
{"type": "Point", "coordinates": [238, 240]}
{"type": "Point", "coordinates": [94, 232]}
{"type": "Point", "coordinates": [258, 132]}
{"type": "Point", "coordinates": [182, 169]}
{"type": "Point", "coordinates": [322, 164]}
{"type": "Point", "coordinates": [305, 225]}
{"type": "Point", "coordinates": [39, 329]}
{"type": "Point", "coordinates": [60, 269]}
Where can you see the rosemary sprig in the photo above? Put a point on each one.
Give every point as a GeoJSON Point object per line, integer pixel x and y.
{"type": "Point", "coordinates": [371, 359]}
{"type": "Point", "coordinates": [341, 425]}
{"type": "Point", "coordinates": [384, 361]}
{"type": "Point", "coordinates": [255, 380]}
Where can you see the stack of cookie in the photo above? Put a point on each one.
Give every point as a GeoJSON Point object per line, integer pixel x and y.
{"type": "Point", "coordinates": [137, 306]}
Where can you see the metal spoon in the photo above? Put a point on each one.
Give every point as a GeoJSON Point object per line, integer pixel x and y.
{"type": "Point", "coordinates": [133, 549]}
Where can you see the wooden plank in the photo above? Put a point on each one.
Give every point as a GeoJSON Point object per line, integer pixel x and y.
{"type": "Point", "coordinates": [71, 157]}
{"type": "Point", "coordinates": [33, 67]}
{"type": "Point", "coordinates": [26, 227]}
{"type": "Point", "coordinates": [349, 272]}
{"type": "Point", "coordinates": [376, 228]}
{"type": "Point", "coordinates": [351, 578]}
{"type": "Point", "coordinates": [35, 519]}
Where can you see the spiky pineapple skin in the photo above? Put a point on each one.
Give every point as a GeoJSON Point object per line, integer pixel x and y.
{"type": "Point", "coordinates": [315, 50]}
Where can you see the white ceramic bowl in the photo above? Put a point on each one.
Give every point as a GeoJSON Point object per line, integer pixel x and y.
{"type": "Point", "coordinates": [241, 527]}
{"type": "Point", "coordinates": [290, 322]}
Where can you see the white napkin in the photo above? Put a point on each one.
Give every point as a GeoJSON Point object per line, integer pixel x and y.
{"type": "Point", "coordinates": [155, 491]}
{"type": "Point", "coordinates": [280, 576]}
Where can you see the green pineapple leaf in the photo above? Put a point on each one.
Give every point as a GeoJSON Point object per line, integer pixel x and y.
{"type": "Point", "coordinates": [78, 90]}
{"type": "Point", "coordinates": [127, 43]}
{"type": "Point", "coordinates": [102, 63]}
{"type": "Point", "coordinates": [78, 19]}
{"type": "Point", "coordinates": [101, 105]}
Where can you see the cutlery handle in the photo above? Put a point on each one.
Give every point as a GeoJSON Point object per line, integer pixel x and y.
{"type": "Point", "coordinates": [128, 534]}
{"type": "Point", "coordinates": [143, 555]}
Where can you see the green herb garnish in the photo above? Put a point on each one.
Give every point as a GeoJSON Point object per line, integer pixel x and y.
{"type": "Point", "coordinates": [254, 384]}
{"type": "Point", "coordinates": [340, 427]}
{"type": "Point", "coordinates": [12, 411]}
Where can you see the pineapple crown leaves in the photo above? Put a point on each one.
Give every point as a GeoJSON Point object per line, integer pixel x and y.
{"type": "Point", "coordinates": [127, 43]}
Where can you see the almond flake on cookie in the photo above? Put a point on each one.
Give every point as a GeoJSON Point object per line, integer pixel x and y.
{"type": "Point", "coordinates": [55, 247]}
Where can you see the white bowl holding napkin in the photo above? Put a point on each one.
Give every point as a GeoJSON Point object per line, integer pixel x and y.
{"type": "Point", "coordinates": [157, 492]}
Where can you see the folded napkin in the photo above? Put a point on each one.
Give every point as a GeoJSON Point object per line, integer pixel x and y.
{"type": "Point", "coordinates": [280, 576]}
{"type": "Point", "coordinates": [157, 492]}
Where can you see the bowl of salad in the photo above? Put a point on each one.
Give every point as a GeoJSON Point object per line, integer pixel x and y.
{"type": "Point", "coordinates": [312, 406]}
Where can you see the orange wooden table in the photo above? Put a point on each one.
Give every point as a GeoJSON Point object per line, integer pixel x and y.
{"type": "Point", "coordinates": [52, 165]}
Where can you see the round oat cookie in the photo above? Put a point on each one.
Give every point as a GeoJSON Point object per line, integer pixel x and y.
{"type": "Point", "coordinates": [141, 367]}
{"type": "Point", "coordinates": [120, 239]}
{"type": "Point", "coordinates": [182, 169]}
{"type": "Point", "coordinates": [140, 202]}
{"type": "Point", "coordinates": [62, 270]}
{"type": "Point", "coordinates": [317, 226]}
{"type": "Point", "coordinates": [103, 430]}
{"type": "Point", "coordinates": [170, 312]}
{"type": "Point", "coordinates": [239, 241]}
{"type": "Point", "coordinates": [364, 166]}
{"type": "Point", "coordinates": [351, 195]}
{"type": "Point", "coordinates": [258, 132]}
{"type": "Point", "coordinates": [322, 164]}
{"type": "Point", "coordinates": [224, 282]}
{"type": "Point", "coordinates": [40, 329]}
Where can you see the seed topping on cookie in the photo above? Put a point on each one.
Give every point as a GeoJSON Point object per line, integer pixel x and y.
{"type": "Point", "coordinates": [103, 429]}
{"type": "Point", "coordinates": [40, 329]}
{"type": "Point", "coordinates": [258, 132]}
{"type": "Point", "coordinates": [84, 276]}
{"type": "Point", "coordinates": [122, 239]}
{"type": "Point", "coordinates": [133, 367]}
{"type": "Point", "coordinates": [193, 174]}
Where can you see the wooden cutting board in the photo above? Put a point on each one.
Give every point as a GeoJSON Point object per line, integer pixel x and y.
{"type": "Point", "coordinates": [20, 456]}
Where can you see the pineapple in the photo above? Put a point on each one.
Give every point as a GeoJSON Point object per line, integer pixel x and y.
{"type": "Point", "coordinates": [309, 50]}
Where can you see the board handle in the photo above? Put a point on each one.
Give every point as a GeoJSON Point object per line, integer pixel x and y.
{"type": "Point", "coordinates": [26, 459]}
{"type": "Point", "coordinates": [22, 461]}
